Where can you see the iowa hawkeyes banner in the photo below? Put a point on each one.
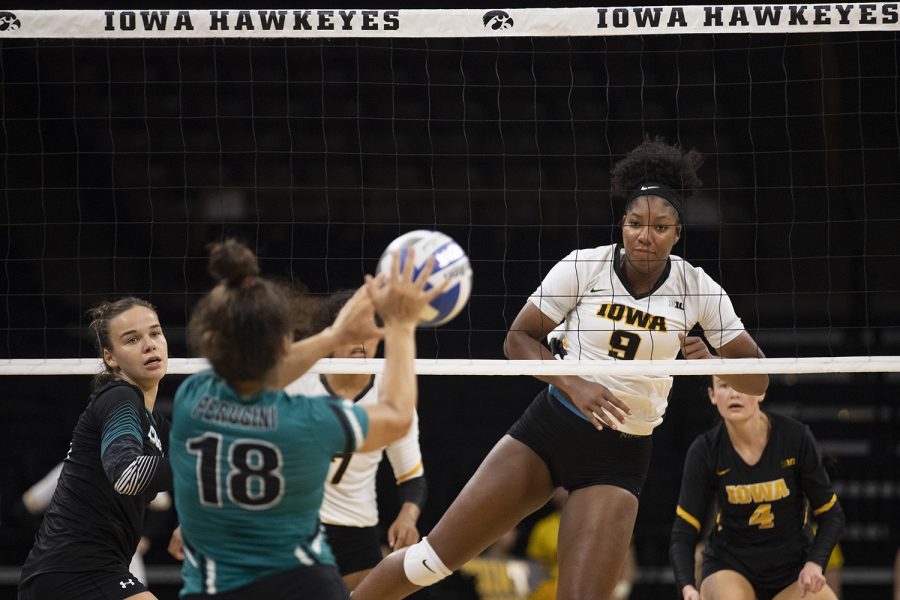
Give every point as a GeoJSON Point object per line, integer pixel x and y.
{"type": "Point", "coordinates": [422, 23]}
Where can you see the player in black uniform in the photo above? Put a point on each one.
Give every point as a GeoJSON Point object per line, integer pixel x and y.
{"type": "Point", "coordinates": [766, 475]}
{"type": "Point", "coordinates": [115, 466]}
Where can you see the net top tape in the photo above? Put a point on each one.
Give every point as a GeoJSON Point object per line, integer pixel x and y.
{"type": "Point", "coordinates": [827, 364]}
{"type": "Point", "coordinates": [448, 23]}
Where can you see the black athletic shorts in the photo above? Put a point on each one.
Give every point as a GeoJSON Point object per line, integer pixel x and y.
{"type": "Point", "coordinates": [577, 454]}
{"type": "Point", "coordinates": [81, 586]}
{"type": "Point", "coordinates": [354, 548]}
{"type": "Point", "coordinates": [318, 581]}
{"type": "Point", "coordinates": [764, 590]}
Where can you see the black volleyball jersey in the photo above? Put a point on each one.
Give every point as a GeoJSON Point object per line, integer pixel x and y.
{"type": "Point", "coordinates": [762, 510]}
{"type": "Point", "coordinates": [115, 466]}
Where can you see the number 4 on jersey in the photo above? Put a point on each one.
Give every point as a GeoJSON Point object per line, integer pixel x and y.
{"type": "Point", "coordinates": [763, 517]}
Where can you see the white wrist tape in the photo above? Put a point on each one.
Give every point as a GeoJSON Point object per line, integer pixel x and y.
{"type": "Point", "coordinates": [422, 565]}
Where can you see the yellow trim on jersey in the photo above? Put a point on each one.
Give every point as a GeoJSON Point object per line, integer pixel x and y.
{"type": "Point", "coordinates": [410, 474]}
{"type": "Point", "coordinates": [825, 507]}
{"type": "Point", "coordinates": [687, 517]}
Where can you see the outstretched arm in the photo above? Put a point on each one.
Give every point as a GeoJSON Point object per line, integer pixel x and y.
{"type": "Point", "coordinates": [355, 321]}
{"type": "Point", "coordinates": [743, 346]}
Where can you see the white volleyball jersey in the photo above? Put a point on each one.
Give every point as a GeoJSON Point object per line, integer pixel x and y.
{"type": "Point", "coordinates": [601, 319]}
{"type": "Point", "coordinates": [350, 497]}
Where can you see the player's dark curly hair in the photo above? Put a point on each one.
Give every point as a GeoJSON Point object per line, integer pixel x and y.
{"type": "Point", "coordinates": [100, 316]}
{"type": "Point", "coordinates": [240, 325]}
{"type": "Point", "coordinates": [656, 161]}
{"type": "Point", "coordinates": [331, 306]}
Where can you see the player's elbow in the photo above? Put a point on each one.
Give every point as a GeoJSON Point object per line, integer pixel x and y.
{"type": "Point", "coordinates": [753, 385]}
{"type": "Point", "coordinates": [760, 383]}
{"type": "Point", "coordinates": [135, 477]}
{"type": "Point", "coordinates": [512, 344]}
{"type": "Point", "coordinates": [398, 425]}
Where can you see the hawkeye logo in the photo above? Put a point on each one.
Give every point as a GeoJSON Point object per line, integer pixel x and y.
{"type": "Point", "coordinates": [767, 491]}
{"type": "Point", "coordinates": [498, 19]}
{"type": "Point", "coordinates": [632, 316]}
{"type": "Point", "coordinates": [9, 21]}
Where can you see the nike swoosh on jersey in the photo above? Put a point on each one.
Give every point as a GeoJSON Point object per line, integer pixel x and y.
{"type": "Point", "coordinates": [722, 472]}
{"type": "Point", "coordinates": [595, 290]}
{"type": "Point", "coordinates": [425, 564]}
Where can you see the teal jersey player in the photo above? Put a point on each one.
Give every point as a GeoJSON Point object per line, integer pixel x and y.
{"type": "Point", "coordinates": [249, 478]}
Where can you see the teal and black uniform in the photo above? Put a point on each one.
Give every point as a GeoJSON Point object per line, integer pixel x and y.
{"type": "Point", "coordinates": [115, 466]}
{"type": "Point", "coordinates": [761, 527]}
{"type": "Point", "coordinates": [249, 479]}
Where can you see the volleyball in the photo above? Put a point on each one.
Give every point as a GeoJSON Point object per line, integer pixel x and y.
{"type": "Point", "coordinates": [451, 264]}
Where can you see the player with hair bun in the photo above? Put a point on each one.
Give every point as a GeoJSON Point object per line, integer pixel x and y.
{"type": "Point", "coordinates": [250, 460]}
{"type": "Point", "coordinates": [590, 435]}
{"type": "Point", "coordinates": [117, 463]}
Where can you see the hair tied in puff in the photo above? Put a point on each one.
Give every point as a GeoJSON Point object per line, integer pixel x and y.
{"type": "Point", "coordinates": [248, 282]}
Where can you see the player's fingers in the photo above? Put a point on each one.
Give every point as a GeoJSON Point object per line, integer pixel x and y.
{"type": "Point", "coordinates": [614, 413]}
{"type": "Point", "coordinates": [603, 415]}
{"type": "Point", "coordinates": [436, 290]}
{"type": "Point", "coordinates": [409, 264]}
{"type": "Point", "coordinates": [597, 419]}
{"type": "Point", "coordinates": [375, 287]}
{"type": "Point", "coordinates": [620, 406]}
{"type": "Point", "coordinates": [425, 273]}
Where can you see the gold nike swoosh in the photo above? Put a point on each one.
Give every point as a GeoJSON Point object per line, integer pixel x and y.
{"type": "Point", "coordinates": [722, 472]}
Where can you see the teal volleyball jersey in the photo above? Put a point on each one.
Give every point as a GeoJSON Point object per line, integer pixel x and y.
{"type": "Point", "coordinates": [249, 478]}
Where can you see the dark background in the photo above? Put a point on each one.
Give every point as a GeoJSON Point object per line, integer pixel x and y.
{"type": "Point", "coordinates": [122, 160]}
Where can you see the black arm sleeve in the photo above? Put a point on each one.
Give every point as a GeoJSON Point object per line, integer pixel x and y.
{"type": "Point", "coordinates": [130, 471]}
{"type": "Point", "coordinates": [822, 500]}
{"type": "Point", "coordinates": [693, 501]}
{"type": "Point", "coordinates": [413, 490]}
{"type": "Point", "coordinates": [162, 478]}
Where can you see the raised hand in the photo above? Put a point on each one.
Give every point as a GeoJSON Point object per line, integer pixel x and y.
{"type": "Point", "coordinates": [356, 319]}
{"type": "Point", "coordinates": [399, 297]}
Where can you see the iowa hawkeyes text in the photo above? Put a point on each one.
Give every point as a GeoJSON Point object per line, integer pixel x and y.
{"type": "Point", "coordinates": [251, 20]}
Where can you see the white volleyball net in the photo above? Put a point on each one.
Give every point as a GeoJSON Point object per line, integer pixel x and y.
{"type": "Point", "coordinates": [132, 139]}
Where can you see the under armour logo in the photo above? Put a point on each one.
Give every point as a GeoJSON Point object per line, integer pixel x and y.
{"type": "Point", "coordinates": [126, 583]}
{"type": "Point", "coordinates": [498, 19]}
{"type": "Point", "coordinates": [9, 21]}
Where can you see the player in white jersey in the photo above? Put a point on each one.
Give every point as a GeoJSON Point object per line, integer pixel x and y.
{"type": "Point", "coordinates": [590, 435]}
{"type": "Point", "coordinates": [350, 507]}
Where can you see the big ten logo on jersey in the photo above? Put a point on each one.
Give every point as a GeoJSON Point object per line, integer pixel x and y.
{"type": "Point", "coordinates": [154, 438]}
